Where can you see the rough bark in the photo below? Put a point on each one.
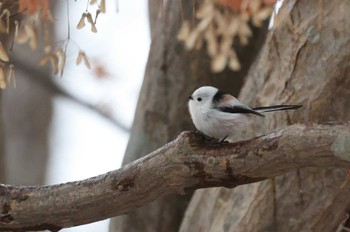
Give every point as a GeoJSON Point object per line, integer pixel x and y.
{"type": "Point", "coordinates": [190, 162]}
{"type": "Point", "coordinates": [303, 61]}
{"type": "Point", "coordinates": [172, 74]}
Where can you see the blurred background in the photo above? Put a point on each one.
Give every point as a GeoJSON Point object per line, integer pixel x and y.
{"type": "Point", "coordinates": [79, 127]}
{"type": "Point", "coordinates": [55, 129]}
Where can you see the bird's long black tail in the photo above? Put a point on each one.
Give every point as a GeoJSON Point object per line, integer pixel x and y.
{"type": "Point", "coordinates": [276, 108]}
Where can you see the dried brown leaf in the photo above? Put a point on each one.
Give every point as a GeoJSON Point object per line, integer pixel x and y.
{"type": "Point", "coordinates": [6, 14]}
{"type": "Point", "coordinates": [261, 15]}
{"type": "Point", "coordinates": [3, 54]}
{"type": "Point", "coordinates": [92, 23]}
{"type": "Point", "coordinates": [3, 80]}
{"type": "Point", "coordinates": [218, 63]}
{"type": "Point", "coordinates": [233, 62]}
{"type": "Point", "coordinates": [191, 40]}
{"type": "Point", "coordinates": [82, 57]}
{"type": "Point", "coordinates": [44, 59]}
{"type": "Point", "coordinates": [32, 35]}
{"type": "Point", "coordinates": [103, 6]}
{"type": "Point", "coordinates": [81, 22]}
{"type": "Point", "coordinates": [89, 18]}
{"type": "Point", "coordinates": [61, 61]}
{"type": "Point", "coordinates": [205, 10]}
{"type": "Point", "coordinates": [12, 75]}
{"type": "Point", "coordinates": [16, 28]}
{"type": "Point", "coordinates": [54, 63]}
{"type": "Point", "coordinates": [184, 31]}
{"type": "Point", "coordinates": [93, 28]}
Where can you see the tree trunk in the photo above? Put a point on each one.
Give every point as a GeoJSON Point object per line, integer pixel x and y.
{"type": "Point", "coordinates": [305, 62]}
{"type": "Point", "coordinates": [2, 144]}
{"type": "Point", "coordinates": [172, 74]}
{"type": "Point", "coordinates": [27, 111]}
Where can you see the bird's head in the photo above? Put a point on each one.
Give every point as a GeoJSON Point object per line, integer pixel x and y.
{"type": "Point", "coordinates": [202, 97]}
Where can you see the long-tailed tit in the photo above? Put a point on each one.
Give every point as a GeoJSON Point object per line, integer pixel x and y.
{"type": "Point", "coordinates": [220, 115]}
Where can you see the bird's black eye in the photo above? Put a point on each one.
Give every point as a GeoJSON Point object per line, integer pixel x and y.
{"type": "Point", "coordinates": [199, 99]}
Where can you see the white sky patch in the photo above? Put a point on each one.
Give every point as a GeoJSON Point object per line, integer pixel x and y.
{"type": "Point", "coordinates": [84, 144]}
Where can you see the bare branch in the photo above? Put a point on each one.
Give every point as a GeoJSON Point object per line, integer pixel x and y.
{"type": "Point", "coordinates": [181, 166]}
{"type": "Point", "coordinates": [45, 81]}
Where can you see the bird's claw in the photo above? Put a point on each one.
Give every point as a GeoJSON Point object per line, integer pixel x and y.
{"type": "Point", "coordinates": [213, 141]}
{"type": "Point", "coordinates": [224, 140]}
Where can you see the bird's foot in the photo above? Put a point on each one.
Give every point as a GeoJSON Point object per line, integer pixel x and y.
{"type": "Point", "coordinates": [213, 141]}
{"type": "Point", "coordinates": [224, 140]}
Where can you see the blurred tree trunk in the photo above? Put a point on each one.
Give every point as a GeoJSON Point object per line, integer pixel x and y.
{"type": "Point", "coordinates": [2, 144]}
{"type": "Point", "coordinates": [27, 111]}
{"type": "Point", "coordinates": [305, 60]}
{"type": "Point", "coordinates": [27, 114]}
{"type": "Point", "coordinates": [172, 74]}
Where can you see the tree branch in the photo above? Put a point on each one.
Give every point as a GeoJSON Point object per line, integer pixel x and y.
{"type": "Point", "coordinates": [44, 80]}
{"type": "Point", "coordinates": [187, 163]}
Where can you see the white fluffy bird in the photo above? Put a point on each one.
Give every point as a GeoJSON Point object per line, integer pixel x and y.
{"type": "Point", "coordinates": [220, 115]}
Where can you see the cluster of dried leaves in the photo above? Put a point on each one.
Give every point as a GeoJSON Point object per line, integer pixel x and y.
{"type": "Point", "coordinates": [88, 16]}
{"type": "Point", "coordinates": [219, 23]}
{"type": "Point", "coordinates": [31, 28]}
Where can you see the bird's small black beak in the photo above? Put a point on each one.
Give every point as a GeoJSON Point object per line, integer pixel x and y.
{"type": "Point", "coordinates": [190, 97]}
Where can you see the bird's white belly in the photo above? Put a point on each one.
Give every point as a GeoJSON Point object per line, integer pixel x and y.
{"type": "Point", "coordinates": [218, 124]}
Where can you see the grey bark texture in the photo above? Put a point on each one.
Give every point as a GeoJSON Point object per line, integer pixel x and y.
{"type": "Point", "coordinates": [172, 74]}
{"type": "Point", "coordinates": [187, 163]}
{"type": "Point", "coordinates": [304, 61]}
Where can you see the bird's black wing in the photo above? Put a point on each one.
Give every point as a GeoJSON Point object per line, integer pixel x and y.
{"type": "Point", "coordinates": [276, 108]}
{"type": "Point", "coordinates": [239, 110]}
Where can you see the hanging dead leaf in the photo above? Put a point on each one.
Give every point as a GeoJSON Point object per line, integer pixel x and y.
{"type": "Point", "coordinates": [82, 57]}
{"type": "Point", "coordinates": [103, 6]}
{"type": "Point", "coordinates": [32, 35]}
{"type": "Point", "coordinates": [92, 23]}
{"type": "Point", "coordinates": [3, 54]}
{"type": "Point", "coordinates": [3, 80]}
{"type": "Point", "coordinates": [61, 60]}
{"type": "Point", "coordinates": [54, 63]}
{"type": "Point", "coordinates": [220, 22]}
{"type": "Point", "coordinates": [6, 15]}
{"type": "Point", "coordinates": [81, 22]}
{"type": "Point", "coordinates": [16, 28]}
{"type": "Point", "coordinates": [98, 11]}
{"type": "Point", "coordinates": [218, 63]}
{"type": "Point", "coordinates": [44, 59]}
{"type": "Point", "coordinates": [184, 31]}
{"type": "Point", "coordinates": [89, 18]}
{"type": "Point", "coordinates": [93, 28]}
{"type": "Point", "coordinates": [12, 75]}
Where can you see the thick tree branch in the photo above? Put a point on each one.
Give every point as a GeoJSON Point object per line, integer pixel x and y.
{"type": "Point", "coordinates": [185, 164]}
